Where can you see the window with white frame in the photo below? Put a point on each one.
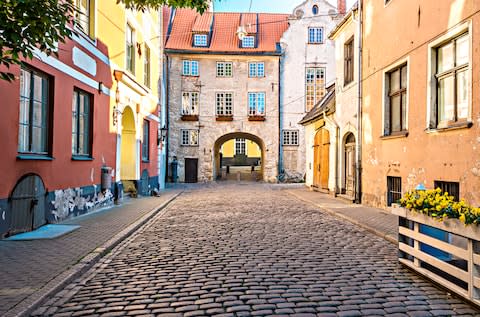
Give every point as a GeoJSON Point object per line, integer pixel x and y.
{"type": "Point", "coordinates": [452, 81]}
{"type": "Point", "coordinates": [189, 137]}
{"type": "Point", "coordinates": [256, 69]}
{"type": "Point", "coordinates": [224, 69]}
{"type": "Point", "coordinates": [248, 41]}
{"type": "Point", "coordinates": [314, 86]}
{"type": "Point", "coordinates": [290, 137]}
{"type": "Point", "coordinates": [200, 40]}
{"type": "Point", "coordinates": [396, 82]}
{"type": "Point", "coordinates": [146, 141]}
{"type": "Point", "coordinates": [240, 146]}
{"type": "Point", "coordinates": [146, 67]}
{"type": "Point", "coordinates": [256, 103]}
{"type": "Point", "coordinates": [190, 68]}
{"type": "Point", "coordinates": [190, 102]}
{"type": "Point", "coordinates": [82, 121]}
{"type": "Point", "coordinates": [315, 35]}
{"type": "Point", "coordinates": [224, 103]}
{"type": "Point", "coordinates": [83, 15]}
{"type": "Point", "coordinates": [130, 49]}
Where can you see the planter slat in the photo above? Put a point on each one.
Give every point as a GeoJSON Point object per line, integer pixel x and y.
{"type": "Point", "coordinates": [434, 277]}
{"type": "Point", "coordinates": [447, 247]}
{"type": "Point", "coordinates": [450, 269]}
{"type": "Point", "coordinates": [476, 259]}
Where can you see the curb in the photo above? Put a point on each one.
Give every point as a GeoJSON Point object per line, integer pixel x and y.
{"type": "Point", "coordinates": [381, 234]}
{"type": "Point", "coordinates": [34, 301]}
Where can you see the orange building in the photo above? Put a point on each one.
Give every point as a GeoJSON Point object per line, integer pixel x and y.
{"type": "Point", "coordinates": [421, 98]}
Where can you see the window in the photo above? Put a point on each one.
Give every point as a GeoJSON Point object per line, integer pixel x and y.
{"type": "Point", "coordinates": [315, 35]}
{"type": "Point", "coordinates": [256, 103]}
{"type": "Point", "coordinates": [190, 137]}
{"type": "Point", "coordinates": [34, 119]}
{"type": "Point", "coordinates": [224, 103]}
{"type": "Point", "coordinates": [83, 16]}
{"type": "Point", "coordinates": [348, 62]}
{"type": "Point", "coordinates": [240, 147]}
{"type": "Point", "coordinates": [452, 81]}
{"type": "Point", "coordinates": [190, 102]}
{"type": "Point", "coordinates": [315, 9]}
{"type": "Point", "coordinates": [146, 141]}
{"type": "Point", "coordinates": [224, 69]}
{"type": "Point", "coordinates": [256, 69]}
{"type": "Point", "coordinates": [130, 49]}
{"type": "Point", "coordinates": [396, 103]}
{"type": "Point", "coordinates": [315, 86]}
{"type": "Point", "coordinates": [190, 68]}
{"type": "Point", "coordinates": [200, 40]}
{"type": "Point", "coordinates": [146, 67]}
{"type": "Point", "coordinates": [394, 189]}
{"type": "Point", "coordinates": [290, 137]}
{"type": "Point", "coordinates": [248, 41]}
{"type": "Point", "coordinates": [81, 123]}
{"type": "Point", "coordinates": [452, 188]}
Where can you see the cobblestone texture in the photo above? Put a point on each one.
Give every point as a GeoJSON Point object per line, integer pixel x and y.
{"type": "Point", "coordinates": [252, 251]}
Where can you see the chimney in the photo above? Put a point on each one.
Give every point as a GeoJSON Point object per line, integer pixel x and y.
{"type": "Point", "coordinates": [341, 6]}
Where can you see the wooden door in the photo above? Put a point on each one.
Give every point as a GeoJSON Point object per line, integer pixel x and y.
{"type": "Point", "coordinates": [325, 159]}
{"type": "Point", "coordinates": [317, 148]}
{"type": "Point", "coordinates": [349, 158]}
{"type": "Point", "coordinates": [191, 170]}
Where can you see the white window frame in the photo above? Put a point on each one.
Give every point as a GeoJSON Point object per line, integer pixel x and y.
{"type": "Point", "coordinates": [188, 67]}
{"type": "Point", "coordinates": [189, 136]}
{"type": "Point", "coordinates": [222, 69]}
{"type": "Point", "coordinates": [314, 85]}
{"type": "Point", "coordinates": [256, 99]}
{"type": "Point", "coordinates": [130, 46]}
{"type": "Point", "coordinates": [253, 69]}
{"type": "Point", "coordinates": [193, 102]}
{"type": "Point", "coordinates": [200, 40]}
{"type": "Point", "coordinates": [466, 27]}
{"type": "Point", "coordinates": [316, 35]}
{"type": "Point", "coordinates": [290, 137]}
{"type": "Point", "coordinates": [385, 89]}
{"type": "Point", "coordinates": [248, 41]}
{"type": "Point", "coordinates": [240, 145]}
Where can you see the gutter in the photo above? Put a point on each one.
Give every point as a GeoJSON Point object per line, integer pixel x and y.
{"type": "Point", "coordinates": [186, 51]}
{"type": "Point", "coordinates": [358, 153]}
{"type": "Point", "coordinates": [280, 147]}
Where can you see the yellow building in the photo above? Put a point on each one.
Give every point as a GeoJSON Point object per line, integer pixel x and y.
{"type": "Point", "coordinates": [240, 152]}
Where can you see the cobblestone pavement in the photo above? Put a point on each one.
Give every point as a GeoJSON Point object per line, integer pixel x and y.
{"type": "Point", "coordinates": [250, 250]}
{"type": "Point", "coordinates": [27, 266]}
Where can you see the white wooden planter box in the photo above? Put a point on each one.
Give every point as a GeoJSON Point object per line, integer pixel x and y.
{"type": "Point", "coordinates": [462, 246]}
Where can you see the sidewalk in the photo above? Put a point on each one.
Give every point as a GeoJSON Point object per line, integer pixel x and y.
{"type": "Point", "coordinates": [377, 221]}
{"type": "Point", "coordinates": [30, 270]}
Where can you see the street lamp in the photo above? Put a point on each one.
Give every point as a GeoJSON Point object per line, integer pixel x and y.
{"type": "Point", "coordinates": [162, 135]}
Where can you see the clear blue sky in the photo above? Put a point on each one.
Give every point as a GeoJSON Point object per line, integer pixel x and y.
{"type": "Point", "coordinates": [274, 6]}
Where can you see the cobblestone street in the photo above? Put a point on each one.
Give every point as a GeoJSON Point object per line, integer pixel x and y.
{"type": "Point", "coordinates": [241, 250]}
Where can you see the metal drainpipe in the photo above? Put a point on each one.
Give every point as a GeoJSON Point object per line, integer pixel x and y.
{"type": "Point", "coordinates": [358, 171]}
{"type": "Point", "coordinates": [167, 139]}
{"type": "Point", "coordinates": [280, 149]}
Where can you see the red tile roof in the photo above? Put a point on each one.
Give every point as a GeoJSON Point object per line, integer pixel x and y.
{"type": "Point", "coordinates": [203, 23]}
{"type": "Point", "coordinates": [224, 38]}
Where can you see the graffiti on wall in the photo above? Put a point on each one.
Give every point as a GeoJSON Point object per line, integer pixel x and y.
{"type": "Point", "coordinates": [67, 200]}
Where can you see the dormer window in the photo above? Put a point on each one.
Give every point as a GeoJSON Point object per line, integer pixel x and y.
{"type": "Point", "coordinates": [248, 41]}
{"type": "Point", "coordinates": [315, 9]}
{"type": "Point", "coordinates": [200, 40]}
{"type": "Point", "coordinates": [315, 35]}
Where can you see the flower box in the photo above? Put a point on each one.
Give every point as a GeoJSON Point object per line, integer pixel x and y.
{"type": "Point", "coordinates": [445, 251]}
{"type": "Point", "coordinates": [256, 118]}
{"type": "Point", "coordinates": [190, 117]}
{"type": "Point", "coordinates": [224, 118]}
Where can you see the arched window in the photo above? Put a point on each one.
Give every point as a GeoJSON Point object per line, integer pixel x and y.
{"type": "Point", "coordinates": [315, 9]}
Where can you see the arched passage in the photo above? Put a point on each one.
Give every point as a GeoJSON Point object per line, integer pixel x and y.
{"type": "Point", "coordinates": [349, 165]}
{"type": "Point", "coordinates": [242, 142]}
{"type": "Point", "coordinates": [128, 161]}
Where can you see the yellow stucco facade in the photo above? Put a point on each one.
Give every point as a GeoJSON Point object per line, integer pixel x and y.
{"type": "Point", "coordinates": [252, 149]}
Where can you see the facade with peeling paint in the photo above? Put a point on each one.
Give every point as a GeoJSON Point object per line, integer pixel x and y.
{"type": "Point", "coordinates": [63, 116]}
{"type": "Point", "coordinates": [421, 98]}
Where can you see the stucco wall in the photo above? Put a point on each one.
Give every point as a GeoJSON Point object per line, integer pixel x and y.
{"type": "Point", "coordinates": [424, 155]}
{"type": "Point", "coordinates": [207, 84]}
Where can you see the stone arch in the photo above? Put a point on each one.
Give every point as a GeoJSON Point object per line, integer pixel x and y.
{"type": "Point", "coordinates": [236, 135]}
{"type": "Point", "coordinates": [128, 163]}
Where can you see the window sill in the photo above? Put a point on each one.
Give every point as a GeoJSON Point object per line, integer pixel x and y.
{"type": "Point", "coordinates": [81, 33]}
{"type": "Point", "coordinates": [145, 161]}
{"type": "Point", "coordinates": [395, 135]}
{"type": "Point", "coordinates": [291, 145]}
{"type": "Point", "coordinates": [81, 158]}
{"type": "Point", "coordinates": [34, 157]}
{"type": "Point", "coordinates": [194, 76]}
{"type": "Point", "coordinates": [256, 118]}
{"type": "Point", "coordinates": [315, 43]}
{"type": "Point", "coordinates": [189, 145]}
{"type": "Point", "coordinates": [224, 118]}
{"type": "Point", "coordinates": [452, 126]}
{"type": "Point", "coordinates": [189, 117]}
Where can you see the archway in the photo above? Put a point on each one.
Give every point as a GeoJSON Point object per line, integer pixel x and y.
{"type": "Point", "coordinates": [239, 156]}
{"type": "Point", "coordinates": [27, 204]}
{"type": "Point", "coordinates": [128, 161]}
{"type": "Point", "coordinates": [349, 165]}
{"type": "Point", "coordinates": [321, 152]}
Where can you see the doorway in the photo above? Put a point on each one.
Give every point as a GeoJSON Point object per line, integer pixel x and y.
{"type": "Point", "coordinates": [191, 170]}
{"type": "Point", "coordinates": [128, 163]}
{"type": "Point", "coordinates": [349, 171]}
{"type": "Point", "coordinates": [321, 154]}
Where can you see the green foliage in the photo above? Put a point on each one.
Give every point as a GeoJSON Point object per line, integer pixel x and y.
{"type": "Point", "coordinates": [200, 5]}
{"type": "Point", "coordinates": [440, 205]}
{"type": "Point", "coordinates": [26, 25]}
